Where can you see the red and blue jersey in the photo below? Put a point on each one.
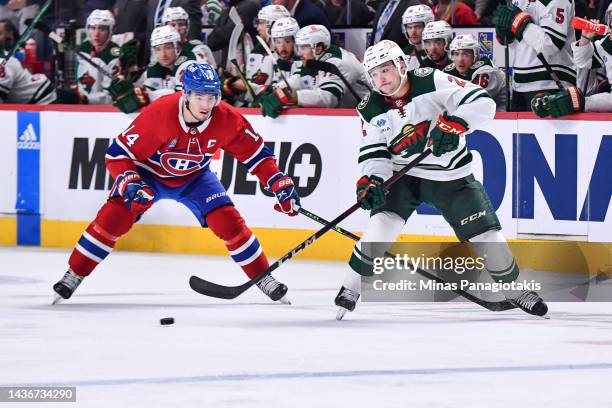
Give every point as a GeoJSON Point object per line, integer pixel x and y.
{"type": "Point", "coordinates": [159, 142]}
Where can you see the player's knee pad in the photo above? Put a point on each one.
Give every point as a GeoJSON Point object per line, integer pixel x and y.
{"type": "Point", "coordinates": [381, 232]}
{"type": "Point", "coordinates": [499, 261]}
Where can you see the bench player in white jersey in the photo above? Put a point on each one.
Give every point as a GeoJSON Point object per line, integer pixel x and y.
{"type": "Point", "coordinates": [265, 19]}
{"type": "Point", "coordinates": [163, 77]}
{"type": "Point", "coordinates": [17, 85]}
{"type": "Point", "coordinates": [178, 18]}
{"type": "Point", "coordinates": [414, 20]}
{"type": "Point", "coordinates": [282, 43]}
{"type": "Point", "coordinates": [469, 65]}
{"type": "Point", "coordinates": [588, 55]}
{"type": "Point", "coordinates": [407, 111]}
{"type": "Point", "coordinates": [319, 88]}
{"type": "Point", "coordinates": [532, 28]}
{"type": "Point", "coordinates": [91, 82]}
{"type": "Point", "coordinates": [437, 37]}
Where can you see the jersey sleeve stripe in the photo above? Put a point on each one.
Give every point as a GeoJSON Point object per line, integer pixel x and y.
{"type": "Point", "coordinates": [378, 154]}
{"type": "Point", "coordinates": [333, 90]}
{"type": "Point", "coordinates": [471, 96]}
{"type": "Point", "coordinates": [124, 149]}
{"type": "Point", "coordinates": [376, 146]}
{"type": "Point", "coordinates": [554, 32]}
{"type": "Point", "coordinates": [5, 88]}
{"type": "Point", "coordinates": [597, 59]}
{"type": "Point", "coordinates": [262, 154]}
{"type": "Point", "coordinates": [559, 43]}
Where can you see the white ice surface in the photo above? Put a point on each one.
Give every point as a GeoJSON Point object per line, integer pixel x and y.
{"type": "Point", "coordinates": [107, 342]}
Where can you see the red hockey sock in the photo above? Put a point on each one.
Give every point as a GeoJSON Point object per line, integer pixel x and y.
{"type": "Point", "coordinates": [98, 240]}
{"type": "Point", "coordinates": [227, 223]}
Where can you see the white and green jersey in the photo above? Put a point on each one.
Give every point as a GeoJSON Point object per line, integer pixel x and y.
{"type": "Point", "coordinates": [91, 82]}
{"type": "Point", "coordinates": [17, 85]}
{"type": "Point", "coordinates": [484, 73]}
{"type": "Point", "coordinates": [266, 75]}
{"type": "Point", "coordinates": [432, 92]}
{"type": "Point", "coordinates": [550, 34]}
{"type": "Point", "coordinates": [158, 80]}
{"type": "Point", "coordinates": [325, 90]}
{"type": "Point", "coordinates": [595, 56]}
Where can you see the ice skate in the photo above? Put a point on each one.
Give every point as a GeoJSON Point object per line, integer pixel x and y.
{"type": "Point", "coordinates": [346, 301]}
{"type": "Point", "coordinates": [66, 286]}
{"type": "Point", "coordinates": [274, 289]}
{"type": "Point", "coordinates": [529, 302]}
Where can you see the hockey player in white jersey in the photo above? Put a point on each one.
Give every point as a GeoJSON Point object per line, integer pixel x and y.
{"type": "Point", "coordinates": [407, 112]}
{"type": "Point", "coordinates": [163, 77]}
{"type": "Point", "coordinates": [18, 86]}
{"type": "Point", "coordinates": [318, 87]}
{"type": "Point", "coordinates": [178, 18]}
{"type": "Point", "coordinates": [91, 82]}
{"type": "Point", "coordinates": [265, 19]}
{"type": "Point", "coordinates": [588, 55]}
{"type": "Point", "coordinates": [469, 65]}
{"type": "Point", "coordinates": [437, 37]}
{"type": "Point", "coordinates": [414, 20]}
{"type": "Point", "coordinates": [537, 30]}
{"type": "Point", "coordinates": [282, 43]}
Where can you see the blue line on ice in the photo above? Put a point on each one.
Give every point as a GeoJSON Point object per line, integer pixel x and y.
{"type": "Point", "coordinates": [321, 374]}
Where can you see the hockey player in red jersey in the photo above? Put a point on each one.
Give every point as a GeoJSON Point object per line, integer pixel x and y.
{"type": "Point", "coordinates": [165, 153]}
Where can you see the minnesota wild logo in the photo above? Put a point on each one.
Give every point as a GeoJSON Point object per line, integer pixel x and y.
{"type": "Point", "coordinates": [87, 81]}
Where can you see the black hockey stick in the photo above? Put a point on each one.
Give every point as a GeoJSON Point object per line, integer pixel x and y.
{"type": "Point", "coordinates": [551, 73]}
{"type": "Point", "coordinates": [332, 69]}
{"type": "Point", "coordinates": [207, 288]}
{"type": "Point", "coordinates": [33, 24]}
{"type": "Point", "coordinates": [493, 306]}
{"type": "Point", "coordinates": [243, 78]}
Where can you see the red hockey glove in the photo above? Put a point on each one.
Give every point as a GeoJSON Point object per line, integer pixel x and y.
{"type": "Point", "coordinates": [283, 188]}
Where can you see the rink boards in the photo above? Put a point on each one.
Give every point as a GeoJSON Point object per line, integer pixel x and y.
{"type": "Point", "coordinates": [545, 177]}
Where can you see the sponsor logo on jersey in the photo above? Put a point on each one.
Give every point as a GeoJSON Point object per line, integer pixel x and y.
{"type": "Point", "coordinates": [181, 164]}
{"type": "Point", "coordinates": [28, 139]}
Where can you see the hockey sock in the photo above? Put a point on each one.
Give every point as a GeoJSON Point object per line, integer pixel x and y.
{"type": "Point", "coordinates": [112, 221]}
{"type": "Point", "coordinates": [499, 261]}
{"type": "Point", "coordinates": [383, 227]}
{"type": "Point", "coordinates": [227, 223]}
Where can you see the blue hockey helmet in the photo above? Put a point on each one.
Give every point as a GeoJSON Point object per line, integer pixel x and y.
{"type": "Point", "coordinates": [201, 78]}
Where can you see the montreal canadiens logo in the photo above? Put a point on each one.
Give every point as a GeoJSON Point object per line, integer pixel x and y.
{"type": "Point", "coordinates": [181, 164]}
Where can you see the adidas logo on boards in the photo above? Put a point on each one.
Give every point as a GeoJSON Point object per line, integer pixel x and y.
{"type": "Point", "coordinates": [28, 139]}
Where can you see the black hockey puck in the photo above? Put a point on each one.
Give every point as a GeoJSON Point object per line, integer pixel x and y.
{"type": "Point", "coordinates": [166, 321]}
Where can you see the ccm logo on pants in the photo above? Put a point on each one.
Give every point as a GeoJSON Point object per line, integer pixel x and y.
{"type": "Point", "coordinates": [473, 217]}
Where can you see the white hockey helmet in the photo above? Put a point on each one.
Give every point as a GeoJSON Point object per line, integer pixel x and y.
{"type": "Point", "coordinates": [284, 27]}
{"type": "Point", "coordinates": [271, 13]}
{"type": "Point", "coordinates": [438, 29]}
{"type": "Point", "coordinates": [608, 16]}
{"type": "Point", "coordinates": [313, 35]}
{"type": "Point", "coordinates": [466, 42]}
{"type": "Point", "coordinates": [101, 18]}
{"type": "Point", "coordinates": [418, 14]}
{"type": "Point", "coordinates": [173, 14]}
{"type": "Point", "coordinates": [165, 34]}
{"type": "Point", "coordinates": [381, 52]}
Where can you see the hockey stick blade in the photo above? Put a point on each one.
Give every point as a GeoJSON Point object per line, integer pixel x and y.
{"type": "Point", "coordinates": [493, 306]}
{"type": "Point", "coordinates": [207, 288]}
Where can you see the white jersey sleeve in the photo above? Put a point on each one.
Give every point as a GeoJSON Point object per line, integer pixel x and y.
{"type": "Point", "coordinates": [583, 54]}
{"type": "Point", "coordinates": [463, 99]}
{"type": "Point", "coordinates": [374, 158]}
{"type": "Point", "coordinates": [17, 85]}
{"type": "Point", "coordinates": [549, 33]}
{"type": "Point", "coordinates": [598, 103]}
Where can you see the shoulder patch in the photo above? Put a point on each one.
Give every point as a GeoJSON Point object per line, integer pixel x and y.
{"type": "Point", "coordinates": [195, 42]}
{"type": "Point", "coordinates": [180, 60]}
{"type": "Point", "coordinates": [363, 102]}
{"type": "Point", "coordinates": [478, 64]}
{"type": "Point", "coordinates": [449, 67]}
{"type": "Point", "coordinates": [115, 51]}
{"type": "Point", "coordinates": [423, 72]}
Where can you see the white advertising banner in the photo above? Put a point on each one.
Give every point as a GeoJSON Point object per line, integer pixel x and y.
{"type": "Point", "coordinates": [543, 177]}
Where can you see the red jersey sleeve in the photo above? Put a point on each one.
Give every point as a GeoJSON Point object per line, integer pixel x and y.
{"type": "Point", "coordinates": [136, 143]}
{"type": "Point", "coordinates": [248, 147]}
